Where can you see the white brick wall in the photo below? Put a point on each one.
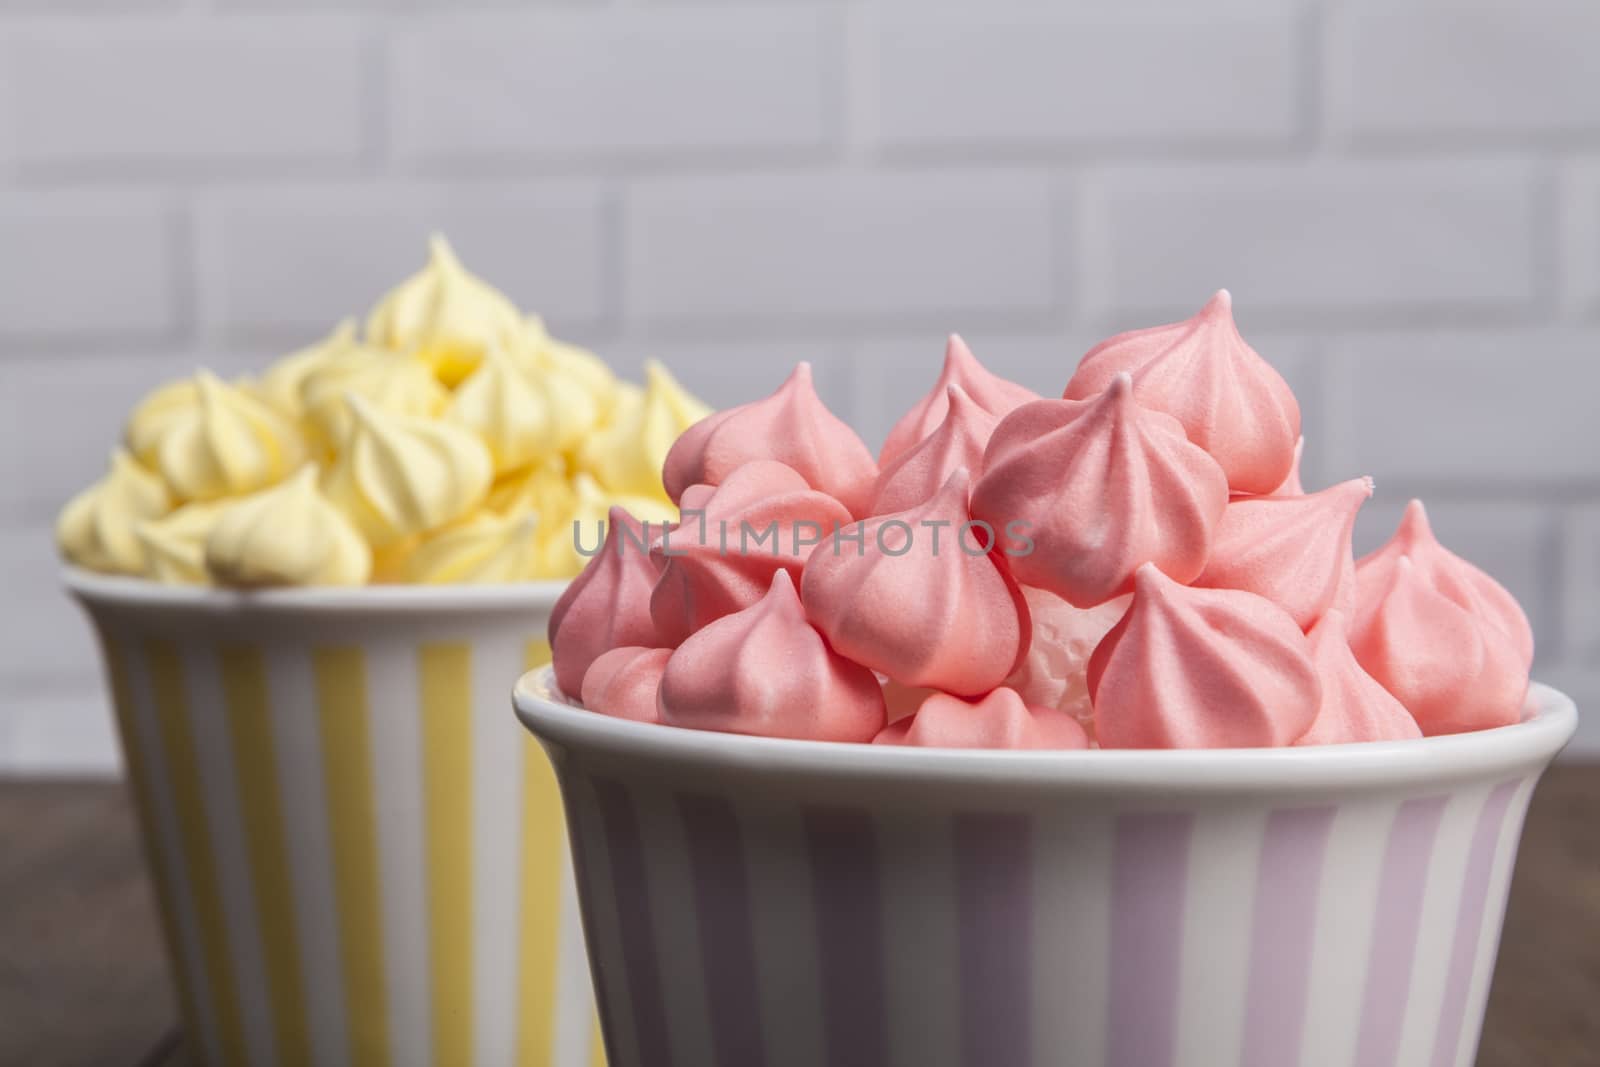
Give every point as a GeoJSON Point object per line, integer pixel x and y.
{"type": "Point", "coordinates": [1426, 407]}
{"type": "Point", "coordinates": [1579, 566]}
{"type": "Point", "coordinates": [1579, 211]}
{"type": "Point", "coordinates": [816, 250]}
{"type": "Point", "coordinates": [46, 642]}
{"type": "Point", "coordinates": [1513, 72]}
{"type": "Point", "coordinates": [61, 413]}
{"type": "Point", "coordinates": [1319, 238]}
{"type": "Point", "coordinates": [730, 370]}
{"type": "Point", "coordinates": [284, 261]}
{"type": "Point", "coordinates": [569, 85]}
{"type": "Point", "coordinates": [1055, 78]}
{"type": "Point", "coordinates": [76, 264]}
{"type": "Point", "coordinates": [126, 92]}
{"type": "Point", "coordinates": [1404, 198]}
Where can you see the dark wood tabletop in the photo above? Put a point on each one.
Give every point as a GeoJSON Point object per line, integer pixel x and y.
{"type": "Point", "coordinates": [83, 983]}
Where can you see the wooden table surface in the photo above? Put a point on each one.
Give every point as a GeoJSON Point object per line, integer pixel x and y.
{"type": "Point", "coordinates": [83, 984]}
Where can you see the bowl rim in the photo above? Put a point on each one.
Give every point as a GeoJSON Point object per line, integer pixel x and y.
{"type": "Point", "coordinates": [119, 590]}
{"type": "Point", "coordinates": [1551, 720]}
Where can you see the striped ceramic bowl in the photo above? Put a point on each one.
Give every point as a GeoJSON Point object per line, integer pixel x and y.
{"type": "Point", "coordinates": [761, 903]}
{"type": "Point", "coordinates": [358, 854]}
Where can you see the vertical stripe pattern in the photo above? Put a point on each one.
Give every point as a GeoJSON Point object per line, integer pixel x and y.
{"type": "Point", "coordinates": [219, 781]}
{"type": "Point", "coordinates": [347, 779]}
{"type": "Point", "coordinates": [1287, 883]}
{"type": "Point", "coordinates": [249, 709]}
{"type": "Point", "coordinates": [994, 889]}
{"type": "Point", "coordinates": [162, 830]}
{"type": "Point", "coordinates": [169, 690]}
{"type": "Point", "coordinates": [921, 991]}
{"type": "Point", "coordinates": [1394, 930]}
{"type": "Point", "coordinates": [1494, 915]}
{"type": "Point", "coordinates": [359, 854]}
{"type": "Point", "coordinates": [303, 793]}
{"type": "Point", "coordinates": [1149, 879]}
{"type": "Point", "coordinates": [158, 852]}
{"type": "Point", "coordinates": [357, 866]}
{"type": "Point", "coordinates": [541, 914]}
{"type": "Point", "coordinates": [722, 906]}
{"type": "Point", "coordinates": [592, 862]}
{"type": "Point", "coordinates": [445, 683]}
{"type": "Point", "coordinates": [1052, 937]}
{"type": "Point", "coordinates": [1071, 935]}
{"type": "Point", "coordinates": [1469, 923]}
{"type": "Point", "coordinates": [631, 889]}
{"type": "Point", "coordinates": [847, 895]}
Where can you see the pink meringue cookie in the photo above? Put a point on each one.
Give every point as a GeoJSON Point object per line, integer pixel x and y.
{"type": "Point", "coordinates": [999, 720]}
{"type": "Point", "coordinates": [1354, 706]}
{"type": "Point", "coordinates": [1453, 669]}
{"type": "Point", "coordinates": [1201, 668]}
{"type": "Point", "coordinates": [918, 600]}
{"type": "Point", "coordinates": [1229, 400]}
{"type": "Point", "coordinates": [791, 426]}
{"type": "Point", "coordinates": [624, 682]}
{"type": "Point", "coordinates": [694, 498]}
{"type": "Point", "coordinates": [917, 473]}
{"type": "Point", "coordinates": [1053, 672]}
{"type": "Point", "coordinates": [607, 606]}
{"type": "Point", "coordinates": [901, 701]}
{"type": "Point", "coordinates": [765, 671]}
{"type": "Point", "coordinates": [1292, 485]}
{"type": "Point", "coordinates": [1448, 574]}
{"type": "Point", "coordinates": [987, 391]}
{"type": "Point", "coordinates": [1291, 550]}
{"type": "Point", "coordinates": [1101, 487]}
{"type": "Point", "coordinates": [1345, 590]}
{"type": "Point", "coordinates": [722, 560]}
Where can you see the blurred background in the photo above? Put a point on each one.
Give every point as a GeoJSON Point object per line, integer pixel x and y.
{"type": "Point", "coordinates": [1404, 199]}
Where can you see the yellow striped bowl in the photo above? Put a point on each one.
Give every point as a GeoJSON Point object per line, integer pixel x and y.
{"type": "Point", "coordinates": [360, 857]}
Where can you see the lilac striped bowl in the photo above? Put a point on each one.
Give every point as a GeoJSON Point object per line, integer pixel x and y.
{"type": "Point", "coordinates": [759, 903]}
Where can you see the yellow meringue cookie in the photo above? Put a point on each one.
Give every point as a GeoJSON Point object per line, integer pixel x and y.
{"type": "Point", "coordinates": [576, 412]}
{"type": "Point", "coordinates": [155, 414]}
{"type": "Point", "coordinates": [542, 488]}
{"type": "Point", "coordinates": [445, 315]}
{"type": "Point", "coordinates": [483, 547]}
{"type": "Point", "coordinates": [96, 528]}
{"type": "Point", "coordinates": [175, 546]}
{"type": "Point", "coordinates": [626, 455]}
{"type": "Point", "coordinates": [536, 335]}
{"type": "Point", "coordinates": [509, 411]}
{"type": "Point", "coordinates": [398, 475]}
{"type": "Point", "coordinates": [441, 427]}
{"type": "Point", "coordinates": [543, 355]}
{"type": "Point", "coordinates": [287, 535]}
{"type": "Point", "coordinates": [389, 562]}
{"type": "Point", "coordinates": [165, 407]}
{"type": "Point", "coordinates": [558, 553]}
{"type": "Point", "coordinates": [390, 381]}
{"type": "Point", "coordinates": [624, 397]}
{"type": "Point", "coordinates": [281, 385]}
{"type": "Point", "coordinates": [229, 443]}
